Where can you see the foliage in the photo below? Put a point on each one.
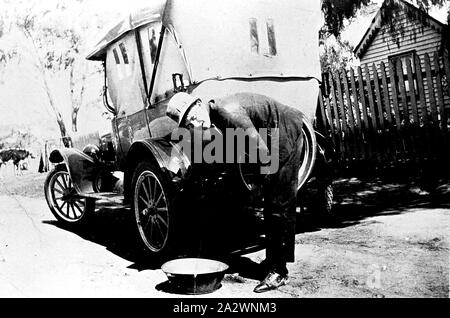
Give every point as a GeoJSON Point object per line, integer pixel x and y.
{"type": "Point", "coordinates": [17, 139]}
{"type": "Point", "coordinates": [336, 55]}
{"type": "Point", "coordinates": [52, 36]}
{"type": "Point", "coordinates": [337, 12]}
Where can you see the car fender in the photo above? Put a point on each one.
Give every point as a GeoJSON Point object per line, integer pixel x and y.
{"type": "Point", "coordinates": [326, 160]}
{"type": "Point", "coordinates": [164, 153]}
{"type": "Point", "coordinates": [81, 167]}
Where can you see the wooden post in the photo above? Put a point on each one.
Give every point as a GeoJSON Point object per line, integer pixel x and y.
{"type": "Point", "coordinates": [336, 117]}
{"type": "Point", "coordinates": [399, 142]}
{"type": "Point", "coordinates": [373, 131]}
{"type": "Point", "coordinates": [330, 119]}
{"type": "Point", "coordinates": [430, 84]}
{"type": "Point", "coordinates": [367, 144]}
{"type": "Point", "coordinates": [371, 99]}
{"type": "Point", "coordinates": [358, 133]}
{"type": "Point", "coordinates": [390, 142]}
{"type": "Point", "coordinates": [379, 137]}
{"type": "Point", "coordinates": [435, 125]}
{"type": "Point", "coordinates": [404, 99]}
{"type": "Point", "coordinates": [423, 105]}
{"type": "Point", "coordinates": [446, 58]}
{"type": "Point", "coordinates": [342, 112]}
{"type": "Point", "coordinates": [341, 101]}
{"type": "Point", "coordinates": [415, 137]}
{"type": "Point", "coordinates": [405, 130]}
{"type": "Point", "coordinates": [322, 113]}
{"type": "Point", "coordinates": [412, 92]}
{"type": "Point", "coordinates": [349, 102]}
{"type": "Point", "coordinates": [351, 122]}
{"type": "Point", "coordinates": [440, 94]}
{"type": "Point", "coordinates": [355, 98]}
{"type": "Point", "coordinates": [427, 137]}
{"type": "Point", "coordinates": [376, 81]}
{"type": "Point", "coordinates": [395, 96]}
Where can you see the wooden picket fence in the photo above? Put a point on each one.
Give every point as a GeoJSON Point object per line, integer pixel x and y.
{"type": "Point", "coordinates": [381, 114]}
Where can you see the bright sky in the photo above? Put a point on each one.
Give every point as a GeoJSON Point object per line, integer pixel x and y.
{"type": "Point", "coordinates": [118, 5]}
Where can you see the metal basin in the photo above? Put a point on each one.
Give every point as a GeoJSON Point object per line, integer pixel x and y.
{"type": "Point", "coordinates": [194, 276]}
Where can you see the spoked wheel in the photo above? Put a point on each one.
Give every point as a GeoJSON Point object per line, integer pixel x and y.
{"type": "Point", "coordinates": [152, 208]}
{"type": "Point", "coordinates": [63, 200]}
{"type": "Point", "coordinates": [249, 174]}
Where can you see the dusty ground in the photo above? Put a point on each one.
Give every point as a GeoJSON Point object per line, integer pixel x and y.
{"type": "Point", "coordinates": [389, 240]}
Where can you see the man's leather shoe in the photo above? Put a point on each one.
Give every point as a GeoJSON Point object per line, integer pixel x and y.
{"type": "Point", "coordinates": [272, 281]}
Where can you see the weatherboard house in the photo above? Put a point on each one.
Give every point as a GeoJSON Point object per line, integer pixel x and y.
{"type": "Point", "coordinates": [402, 35]}
{"type": "Point", "coordinates": [402, 31]}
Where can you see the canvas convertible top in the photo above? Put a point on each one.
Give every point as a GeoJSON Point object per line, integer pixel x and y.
{"type": "Point", "coordinates": [131, 22]}
{"type": "Point", "coordinates": [235, 38]}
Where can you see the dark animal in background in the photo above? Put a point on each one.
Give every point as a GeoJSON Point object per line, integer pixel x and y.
{"type": "Point", "coordinates": [17, 156]}
{"type": "Point", "coordinates": [5, 156]}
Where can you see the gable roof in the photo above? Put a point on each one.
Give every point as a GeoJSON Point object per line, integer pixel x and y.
{"type": "Point", "coordinates": [378, 21]}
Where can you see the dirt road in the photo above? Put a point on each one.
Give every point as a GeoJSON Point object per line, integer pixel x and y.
{"type": "Point", "coordinates": [389, 240]}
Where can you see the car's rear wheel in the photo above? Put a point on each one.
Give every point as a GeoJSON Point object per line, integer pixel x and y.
{"type": "Point", "coordinates": [249, 173]}
{"type": "Point", "coordinates": [153, 211]}
{"type": "Point", "coordinates": [63, 200]}
{"type": "Point", "coordinates": [324, 200]}
{"type": "Point", "coordinates": [308, 155]}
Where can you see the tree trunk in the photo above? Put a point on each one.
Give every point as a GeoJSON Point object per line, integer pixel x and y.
{"type": "Point", "coordinates": [66, 140]}
{"type": "Point", "coordinates": [75, 110]}
{"type": "Point", "coordinates": [76, 102]}
{"type": "Point", "coordinates": [59, 119]}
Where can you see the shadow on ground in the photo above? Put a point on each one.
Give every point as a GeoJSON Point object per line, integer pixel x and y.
{"type": "Point", "coordinates": [227, 234]}
{"type": "Point", "coordinates": [357, 199]}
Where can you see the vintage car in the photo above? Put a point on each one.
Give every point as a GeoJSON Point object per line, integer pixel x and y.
{"type": "Point", "coordinates": [206, 48]}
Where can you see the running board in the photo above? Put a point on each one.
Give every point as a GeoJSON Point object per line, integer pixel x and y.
{"type": "Point", "coordinates": [110, 200]}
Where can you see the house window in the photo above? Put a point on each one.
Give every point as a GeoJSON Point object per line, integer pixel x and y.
{"type": "Point", "coordinates": [403, 58]}
{"type": "Point", "coordinates": [116, 56]}
{"type": "Point", "coordinates": [124, 53]}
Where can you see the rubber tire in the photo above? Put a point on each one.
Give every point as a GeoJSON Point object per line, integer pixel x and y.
{"type": "Point", "coordinates": [323, 203]}
{"type": "Point", "coordinates": [89, 203]}
{"type": "Point", "coordinates": [169, 246]}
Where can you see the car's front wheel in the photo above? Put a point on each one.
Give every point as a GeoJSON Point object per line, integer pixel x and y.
{"type": "Point", "coordinates": [152, 208]}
